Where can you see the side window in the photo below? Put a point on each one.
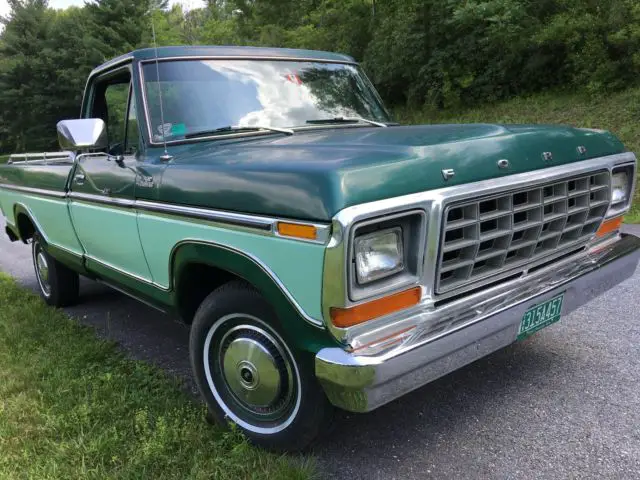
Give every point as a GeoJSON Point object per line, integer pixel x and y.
{"type": "Point", "coordinates": [132, 138]}
{"type": "Point", "coordinates": [115, 97]}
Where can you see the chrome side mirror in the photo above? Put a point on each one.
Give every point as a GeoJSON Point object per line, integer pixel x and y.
{"type": "Point", "coordinates": [82, 134]}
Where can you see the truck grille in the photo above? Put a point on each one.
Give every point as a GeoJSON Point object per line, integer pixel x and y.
{"type": "Point", "coordinates": [489, 236]}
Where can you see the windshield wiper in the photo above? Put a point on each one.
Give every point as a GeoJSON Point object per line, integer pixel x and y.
{"type": "Point", "coordinates": [346, 120]}
{"type": "Point", "coordinates": [237, 129]}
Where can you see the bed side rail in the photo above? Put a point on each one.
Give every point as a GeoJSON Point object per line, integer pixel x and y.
{"type": "Point", "coordinates": [42, 158]}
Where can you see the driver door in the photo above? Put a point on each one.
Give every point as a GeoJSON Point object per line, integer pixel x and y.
{"type": "Point", "coordinates": [103, 186]}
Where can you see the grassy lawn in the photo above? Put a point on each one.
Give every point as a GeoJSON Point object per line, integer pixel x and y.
{"type": "Point", "coordinates": [72, 406]}
{"type": "Point", "coordinates": [618, 112]}
{"type": "Point", "coordinates": [4, 158]}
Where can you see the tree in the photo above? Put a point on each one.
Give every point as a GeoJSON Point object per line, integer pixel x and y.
{"type": "Point", "coordinates": [24, 74]}
{"type": "Point", "coordinates": [437, 52]}
{"type": "Point", "coordinates": [120, 26]}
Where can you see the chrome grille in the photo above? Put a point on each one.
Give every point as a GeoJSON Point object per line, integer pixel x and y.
{"type": "Point", "coordinates": [485, 237]}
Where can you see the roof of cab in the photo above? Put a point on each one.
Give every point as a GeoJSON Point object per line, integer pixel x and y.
{"type": "Point", "coordinates": [227, 51]}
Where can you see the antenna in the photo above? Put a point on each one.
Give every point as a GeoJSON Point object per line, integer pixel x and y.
{"type": "Point", "coordinates": [165, 157]}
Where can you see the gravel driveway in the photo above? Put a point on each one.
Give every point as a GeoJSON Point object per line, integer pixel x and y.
{"type": "Point", "coordinates": [562, 404]}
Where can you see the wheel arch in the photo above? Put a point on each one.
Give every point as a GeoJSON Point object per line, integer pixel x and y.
{"type": "Point", "coordinates": [190, 261]}
{"type": "Point", "coordinates": [26, 225]}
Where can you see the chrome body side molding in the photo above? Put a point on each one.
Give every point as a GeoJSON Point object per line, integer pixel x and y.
{"type": "Point", "coordinates": [230, 218]}
{"type": "Point", "coordinates": [34, 191]}
{"type": "Point", "coordinates": [262, 224]}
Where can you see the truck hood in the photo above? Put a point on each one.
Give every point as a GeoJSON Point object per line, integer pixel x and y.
{"type": "Point", "coordinates": [314, 174]}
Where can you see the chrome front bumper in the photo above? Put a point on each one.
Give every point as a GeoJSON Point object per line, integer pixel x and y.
{"type": "Point", "coordinates": [362, 383]}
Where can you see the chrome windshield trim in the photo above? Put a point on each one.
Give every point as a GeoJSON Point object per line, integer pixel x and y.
{"type": "Point", "coordinates": [35, 191]}
{"type": "Point", "coordinates": [251, 57]}
{"type": "Point", "coordinates": [335, 292]}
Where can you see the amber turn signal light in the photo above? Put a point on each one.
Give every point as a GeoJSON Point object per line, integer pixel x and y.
{"type": "Point", "coordinates": [609, 226]}
{"type": "Point", "coordinates": [348, 317]}
{"type": "Point", "coordinates": [308, 232]}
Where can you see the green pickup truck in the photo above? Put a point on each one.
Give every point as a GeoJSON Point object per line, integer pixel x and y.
{"type": "Point", "coordinates": [323, 255]}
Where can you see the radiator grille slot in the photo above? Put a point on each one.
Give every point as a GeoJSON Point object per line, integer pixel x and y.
{"type": "Point", "coordinates": [486, 237]}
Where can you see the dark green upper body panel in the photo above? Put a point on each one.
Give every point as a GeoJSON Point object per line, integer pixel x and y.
{"type": "Point", "coordinates": [46, 177]}
{"type": "Point", "coordinates": [314, 174]}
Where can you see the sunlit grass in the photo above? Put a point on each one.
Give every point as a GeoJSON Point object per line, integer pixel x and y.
{"type": "Point", "coordinates": [73, 406]}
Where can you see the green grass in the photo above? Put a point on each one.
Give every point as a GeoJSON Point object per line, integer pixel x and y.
{"type": "Point", "coordinates": [72, 406]}
{"type": "Point", "coordinates": [617, 112]}
{"type": "Point", "coordinates": [4, 158]}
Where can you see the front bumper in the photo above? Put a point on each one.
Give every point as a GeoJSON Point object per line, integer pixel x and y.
{"type": "Point", "coordinates": [362, 383]}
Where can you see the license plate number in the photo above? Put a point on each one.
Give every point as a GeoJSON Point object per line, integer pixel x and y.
{"type": "Point", "coordinates": [540, 316]}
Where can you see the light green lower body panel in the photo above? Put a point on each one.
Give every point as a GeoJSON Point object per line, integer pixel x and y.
{"type": "Point", "coordinates": [50, 215]}
{"type": "Point", "coordinates": [297, 265]}
{"type": "Point", "coordinates": [110, 236]}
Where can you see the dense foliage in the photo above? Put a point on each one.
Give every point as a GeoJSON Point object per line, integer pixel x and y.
{"type": "Point", "coordinates": [441, 53]}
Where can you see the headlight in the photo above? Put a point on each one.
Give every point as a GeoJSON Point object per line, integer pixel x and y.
{"type": "Point", "coordinates": [619, 188]}
{"type": "Point", "coordinates": [379, 255]}
{"type": "Point", "coordinates": [385, 254]}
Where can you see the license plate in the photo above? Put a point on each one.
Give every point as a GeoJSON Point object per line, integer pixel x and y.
{"type": "Point", "coordinates": [540, 316]}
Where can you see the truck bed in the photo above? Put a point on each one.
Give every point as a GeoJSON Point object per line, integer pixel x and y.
{"type": "Point", "coordinates": [46, 171]}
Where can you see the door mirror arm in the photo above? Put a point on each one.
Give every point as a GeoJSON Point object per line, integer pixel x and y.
{"type": "Point", "coordinates": [118, 159]}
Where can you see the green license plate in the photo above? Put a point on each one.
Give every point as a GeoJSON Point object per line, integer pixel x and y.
{"type": "Point", "coordinates": [540, 316]}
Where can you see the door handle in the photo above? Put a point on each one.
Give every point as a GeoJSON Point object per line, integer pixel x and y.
{"type": "Point", "coordinates": [79, 178]}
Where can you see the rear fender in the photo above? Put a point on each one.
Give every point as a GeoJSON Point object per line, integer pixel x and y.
{"type": "Point", "coordinates": [26, 224]}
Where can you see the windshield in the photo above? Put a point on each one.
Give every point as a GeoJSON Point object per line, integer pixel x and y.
{"type": "Point", "coordinates": [205, 95]}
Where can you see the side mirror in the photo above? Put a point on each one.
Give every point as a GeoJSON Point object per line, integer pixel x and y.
{"type": "Point", "coordinates": [83, 134]}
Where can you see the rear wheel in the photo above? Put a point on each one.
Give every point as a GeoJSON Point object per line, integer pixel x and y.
{"type": "Point", "coordinates": [58, 285]}
{"type": "Point", "coordinates": [250, 376]}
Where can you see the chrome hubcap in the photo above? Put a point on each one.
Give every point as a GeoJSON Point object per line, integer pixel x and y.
{"type": "Point", "coordinates": [251, 372]}
{"type": "Point", "coordinates": [42, 269]}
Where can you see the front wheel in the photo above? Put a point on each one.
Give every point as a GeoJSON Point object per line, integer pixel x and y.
{"type": "Point", "coordinates": [58, 285]}
{"type": "Point", "coordinates": [248, 375]}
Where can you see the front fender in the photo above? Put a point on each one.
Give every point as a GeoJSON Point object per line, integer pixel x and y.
{"type": "Point", "coordinates": [305, 333]}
